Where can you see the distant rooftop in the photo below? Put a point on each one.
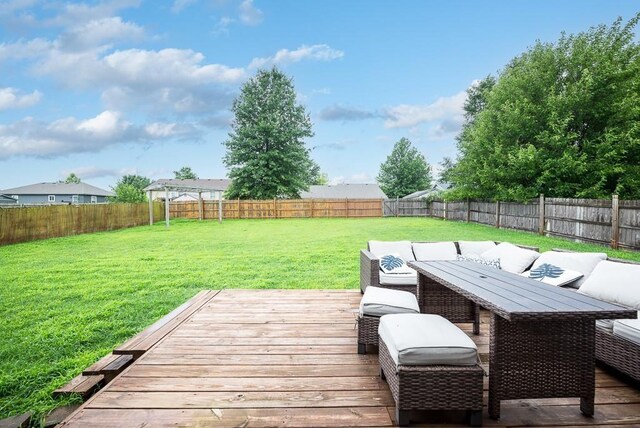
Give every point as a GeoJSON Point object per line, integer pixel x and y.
{"type": "Point", "coordinates": [58, 189]}
{"type": "Point", "coordinates": [344, 191]}
{"type": "Point", "coordinates": [201, 184]}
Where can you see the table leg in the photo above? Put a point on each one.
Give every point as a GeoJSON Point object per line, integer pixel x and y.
{"type": "Point", "coordinates": [435, 298]}
{"type": "Point", "coordinates": [541, 359]}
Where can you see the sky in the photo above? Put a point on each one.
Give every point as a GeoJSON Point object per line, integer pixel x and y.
{"type": "Point", "coordinates": [116, 87]}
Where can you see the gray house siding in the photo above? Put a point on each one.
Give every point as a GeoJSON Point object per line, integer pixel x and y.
{"type": "Point", "coordinates": [60, 199]}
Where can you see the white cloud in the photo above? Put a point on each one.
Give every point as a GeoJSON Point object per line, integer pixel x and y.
{"type": "Point", "coordinates": [10, 98]}
{"type": "Point", "coordinates": [29, 137]}
{"type": "Point", "coordinates": [249, 14]}
{"type": "Point", "coordinates": [96, 33]}
{"type": "Point", "coordinates": [179, 5]}
{"type": "Point", "coordinates": [285, 56]}
{"type": "Point", "coordinates": [406, 115]}
{"type": "Point", "coordinates": [73, 14]}
{"type": "Point", "coordinates": [222, 26]}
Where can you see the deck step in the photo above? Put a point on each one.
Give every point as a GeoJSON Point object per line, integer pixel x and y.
{"type": "Point", "coordinates": [81, 384]}
{"type": "Point", "coordinates": [143, 341]}
{"type": "Point", "coordinates": [110, 366]}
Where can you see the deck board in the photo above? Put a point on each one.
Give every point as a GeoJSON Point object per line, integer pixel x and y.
{"type": "Point", "coordinates": [260, 358]}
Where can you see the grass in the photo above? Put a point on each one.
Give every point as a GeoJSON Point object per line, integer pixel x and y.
{"type": "Point", "coordinates": [66, 302]}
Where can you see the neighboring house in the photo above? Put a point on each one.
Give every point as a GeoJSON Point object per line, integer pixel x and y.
{"type": "Point", "coordinates": [7, 200]}
{"type": "Point", "coordinates": [344, 191]}
{"type": "Point", "coordinates": [436, 189]}
{"type": "Point", "coordinates": [58, 193]}
{"type": "Point", "coordinates": [183, 189]}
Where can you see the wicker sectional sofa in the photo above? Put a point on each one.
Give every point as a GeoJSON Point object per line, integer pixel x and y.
{"type": "Point", "coordinates": [613, 280]}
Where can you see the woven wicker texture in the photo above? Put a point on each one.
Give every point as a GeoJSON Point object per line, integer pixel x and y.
{"type": "Point", "coordinates": [528, 362]}
{"type": "Point", "coordinates": [432, 387]}
{"type": "Point", "coordinates": [368, 330]}
{"type": "Point", "coordinates": [618, 352]}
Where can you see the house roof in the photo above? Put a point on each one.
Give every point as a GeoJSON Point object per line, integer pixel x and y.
{"type": "Point", "coordinates": [201, 184]}
{"type": "Point", "coordinates": [344, 191]}
{"type": "Point", "coordinates": [58, 189]}
{"type": "Point", "coordinates": [437, 187]}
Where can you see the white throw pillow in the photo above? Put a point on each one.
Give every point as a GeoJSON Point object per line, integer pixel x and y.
{"type": "Point", "coordinates": [382, 248]}
{"type": "Point", "coordinates": [554, 275]}
{"type": "Point", "coordinates": [494, 263]}
{"type": "Point", "coordinates": [580, 262]}
{"type": "Point", "coordinates": [435, 251]}
{"type": "Point", "coordinates": [614, 282]}
{"type": "Point", "coordinates": [393, 263]}
{"type": "Point", "coordinates": [512, 258]}
{"type": "Point", "coordinates": [475, 248]}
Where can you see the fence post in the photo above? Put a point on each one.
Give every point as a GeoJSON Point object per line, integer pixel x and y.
{"type": "Point", "coordinates": [498, 214]}
{"type": "Point", "coordinates": [397, 206]}
{"type": "Point", "coordinates": [200, 216]}
{"type": "Point", "coordinates": [346, 205]}
{"type": "Point", "coordinates": [150, 208]}
{"type": "Point", "coordinates": [615, 222]}
{"type": "Point", "coordinates": [311, 209]}
{"type": "Point", "coordinates": [219, 206]}
{"type": "Point", "coordinates": [275, 208]}
{"type": "Point", "coordinates": [166, 207]}
{"type": "Point", "coordinates": [446, 206]}
{"type": "Point", "coordinates": [239, 208]}
{"type": "Point", "coordinates": [468, 210]}
{"type": "Point", "coordinates": [381, 207]}
{"type": "Point", "coordinates": [541, 215]}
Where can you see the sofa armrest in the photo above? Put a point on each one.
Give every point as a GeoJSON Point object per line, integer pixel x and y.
{"type": "Point", "coordinates": [369, 270]}
{"type": "Point", "coordinates": [529, 247]}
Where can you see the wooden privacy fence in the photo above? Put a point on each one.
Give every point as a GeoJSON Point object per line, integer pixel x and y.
{"type": "Point", "coordinates": [601, 221]}
{"type": "Point", "coordinates": [41, 222]}
{"type": "Point", "coordinates": [278, 208]}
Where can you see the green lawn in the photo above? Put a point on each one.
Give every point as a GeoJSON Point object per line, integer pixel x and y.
{"type": "Point", "coordinates": [67, 302]}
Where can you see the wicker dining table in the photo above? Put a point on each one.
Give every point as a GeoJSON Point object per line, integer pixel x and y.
{"type": "Point", "coordinates": [542, 340]}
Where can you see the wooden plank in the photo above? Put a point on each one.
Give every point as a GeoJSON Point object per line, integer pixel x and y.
{"type": "Point", "coordinates": [284, 371]}
{"type": "Point", "coordinates": [239, 399]}
{"type": "Point", "coordinates": [224, 417]}
{"type": "Point", "coordinates": [110, 365]}
{"type": "Point", "coordinates": [212, 384]}
{"type": "Point", "coordinates": [82, 385]}
{"type": "Point", "coordinates": [204, 340]}
{"type": "Point", "coordinates": [259, 349]}
{"type": "Point", "coordinates": [152, 357]}
{"type": "Point", "coordinates": [142, 342]}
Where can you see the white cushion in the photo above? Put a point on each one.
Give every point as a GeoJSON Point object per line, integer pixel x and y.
{"type": "Point", "coordinates": [512, 258]}
{"type": "Point", "coordinates": [605, 325]}
{"type": "Point", "coordinates": [399, 278]}
{"type": "Point", "coordinates": [475, 248]}
{"type": "Point", "coordinates": [580, 262]}
{"type": "Point", "coordinates": [435, 251]}
{"type": "Point", "coordinates": [382, 301]}
{"type": "Point", "coordinates": [554, 275]}
{"type": "Point", "coordinates": [614, 282]}
{"type": "Point", "coordinates": [494, 263]}
{"type": "Point", "coordinates": [423, 339]}
{"type": "Point", "coordinates": [393, 263]}
{"type": "Point", "coordinates": [381, 248]}
{"type": "Point", "coordinates": [629, 329]}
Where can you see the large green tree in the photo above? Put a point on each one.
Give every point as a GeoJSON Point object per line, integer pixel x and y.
{"type": "Point", "coordinates": [185, 173]}
{"type": "Point", "coordinates": [561, 119]}
{"type": "Point", "coordinates": [72, 178]}
{"type": "Point", "coordinates": [405, 171]}
{"type": "Point", "coordinates": [130, 188]}
{"type": "Point", "coordinates": [266, 155]}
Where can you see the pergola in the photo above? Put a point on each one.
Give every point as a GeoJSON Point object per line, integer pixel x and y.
{"type": "Point", "coordinates": [182, 187]}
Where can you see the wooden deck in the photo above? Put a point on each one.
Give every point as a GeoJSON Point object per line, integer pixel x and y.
{"type": "Point", "coordinates": [258, 358]}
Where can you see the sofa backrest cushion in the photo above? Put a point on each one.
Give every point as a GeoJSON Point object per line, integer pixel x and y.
{"type": "Point", "coordinates": [615, 283]}
{"type": "Point", "coordinates": [475, 248]}
{"type": "Point", "coordinates": [580, 262]}
{"type": "Point", "coordinates": [512, 258]}
{"type": "Point", "coordinates": [435, 251]}
{"type": "Point", "coordinates": [383, 248]}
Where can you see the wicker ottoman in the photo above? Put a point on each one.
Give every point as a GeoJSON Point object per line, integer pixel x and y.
{"type": "Point", "coordinates": [430, 364]}
{"type": "Point", "coordinates": [375, 303]}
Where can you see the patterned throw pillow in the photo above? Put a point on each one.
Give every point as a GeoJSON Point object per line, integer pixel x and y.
{"type": "Point", "coordinates": [554, 275]}
{"type": "Point", "coordinates": [393, 263]}
{"type": "Point", "coordinates": [494, 263]}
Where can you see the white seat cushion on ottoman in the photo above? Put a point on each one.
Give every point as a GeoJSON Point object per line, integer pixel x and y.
{"type": "Point", "coordinates": [629, 329]}
{"type": "Point", "coordinates": [423, 339]}
{"type": "Point", "coordinates": [382, 301]}
{"type": "Point", "coordinates": [399, 278]}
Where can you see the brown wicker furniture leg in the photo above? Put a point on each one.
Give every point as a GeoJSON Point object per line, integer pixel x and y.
{"type": "Point", "coordinates": [542, 359]}
{"type": "Point", "coordinates": [435, 298]}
